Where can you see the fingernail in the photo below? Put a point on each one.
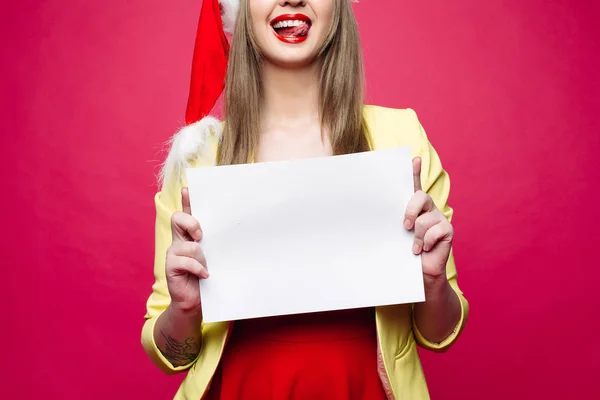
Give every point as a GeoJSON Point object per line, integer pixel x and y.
{"type": "Point", "coordinates": [416, 248]}
{"type": "Point", "coordinates": [425, 248]}
{"type": "Point", "coordinates": [407, 223]}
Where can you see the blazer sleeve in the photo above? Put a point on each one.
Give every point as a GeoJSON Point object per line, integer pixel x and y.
{"type": "Point", "coordinates": [436, 183]}
{"type": "Point", "coordinates": [167, 201]}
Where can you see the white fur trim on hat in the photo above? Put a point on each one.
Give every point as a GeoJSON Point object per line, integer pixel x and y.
{"type": "Point", "coordinates": [189, 144]}
{"type": "Point", "coordinates": [229, 11]}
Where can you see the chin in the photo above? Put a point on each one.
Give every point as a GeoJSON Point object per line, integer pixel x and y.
{"type": "Point", "coordinates": [295, 56]}
{"type": "Point", "coordinates": [291, 62]}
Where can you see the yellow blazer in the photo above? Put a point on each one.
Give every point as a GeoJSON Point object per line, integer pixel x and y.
{"type": "Point", "coordinates": [399, 365]}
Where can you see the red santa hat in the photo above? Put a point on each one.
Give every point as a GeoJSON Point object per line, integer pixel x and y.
{"type": "Point", "coordinates": [209, 66]}
{"type": "Point", "coordinates": [209, 63]}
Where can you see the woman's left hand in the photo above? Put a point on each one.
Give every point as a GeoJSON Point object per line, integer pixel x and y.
{"type": "Point", "coordinates": [433, 232]}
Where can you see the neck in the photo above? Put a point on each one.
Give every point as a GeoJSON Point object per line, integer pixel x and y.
{"type": "Point", "coordinates": [289, 95]}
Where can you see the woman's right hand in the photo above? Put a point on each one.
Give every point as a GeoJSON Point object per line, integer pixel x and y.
{"type": "Point", "coordinates": [185, 263]}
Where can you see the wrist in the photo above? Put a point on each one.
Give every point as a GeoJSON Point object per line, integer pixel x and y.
{"type": "Point", "coordinates": [437, 316]}
{"type": "Point", "coordinates": [436, 287]}
{"type": "Point", "coordinates": [177, 314]}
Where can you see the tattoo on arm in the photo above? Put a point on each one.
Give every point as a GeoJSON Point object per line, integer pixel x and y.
{"type": "Point", "coordinates": [180, 353]}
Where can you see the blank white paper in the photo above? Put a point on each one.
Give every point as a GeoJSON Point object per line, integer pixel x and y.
{"type": "Point", "coordinates": [307, 235]}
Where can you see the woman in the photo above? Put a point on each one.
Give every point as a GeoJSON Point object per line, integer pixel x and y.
{"type": "Point", "coordinates": [294, 90]}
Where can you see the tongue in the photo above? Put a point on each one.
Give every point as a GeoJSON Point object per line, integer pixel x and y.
{"type": "Point", "coordinates": [301, 30]}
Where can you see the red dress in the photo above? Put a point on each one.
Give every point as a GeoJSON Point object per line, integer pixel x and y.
{"type": "Point", "coordinates": [331, 355]}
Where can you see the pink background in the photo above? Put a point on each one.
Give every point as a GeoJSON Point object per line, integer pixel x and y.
{"type": "Point", "coordinates": [508, 92]}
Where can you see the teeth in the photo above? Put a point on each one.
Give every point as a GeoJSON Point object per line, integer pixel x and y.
{"type": "Point", "coordinates": [287, 24]}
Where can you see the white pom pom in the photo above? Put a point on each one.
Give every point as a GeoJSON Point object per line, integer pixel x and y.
{"type": "Point", "coordinates": [229, 11]}
{"type": "Point", "coordinates": [187, 145]}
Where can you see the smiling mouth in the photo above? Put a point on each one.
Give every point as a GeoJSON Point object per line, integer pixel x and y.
{"type": "Point", "coordinates": [291, 28]}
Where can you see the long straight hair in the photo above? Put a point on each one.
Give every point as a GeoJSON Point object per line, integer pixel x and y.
{"type": "Point", "coordinates": [341, 89]}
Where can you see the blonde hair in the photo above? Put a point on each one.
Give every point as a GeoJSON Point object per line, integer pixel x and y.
{"type": "Point", "coordinates": [341, 89]}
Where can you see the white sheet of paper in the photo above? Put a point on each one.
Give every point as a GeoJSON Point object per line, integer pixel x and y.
{"type": "Point", "coordinates": [304, 236]}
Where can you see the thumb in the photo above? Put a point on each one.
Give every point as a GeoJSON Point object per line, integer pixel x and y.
{"type": "Point", "coordinates": [185, 201]}
{"type": "Point", "coordinates": [417, 173]}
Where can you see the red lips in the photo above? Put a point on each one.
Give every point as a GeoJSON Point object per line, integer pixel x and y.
{"type": "Point", "coordinates": [293, 34]}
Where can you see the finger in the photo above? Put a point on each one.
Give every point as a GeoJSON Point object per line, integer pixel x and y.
{"type": "Point", "coordinates": [419, 203]}
{"type": "Point", "coordinates": [185, 227]}
{"type": "Point", "coordinates": [179, 265]}
{"type": "Point", "coordinates": [422, 225]}
{"type": "Point", "coordinates": [440, 232]}
{"type": "Point", "coordinates": [188, 249]}
{"type": "Point", "coordinates": [416, 162]}
{"type": "Point", "coordinates": [185, 201]}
